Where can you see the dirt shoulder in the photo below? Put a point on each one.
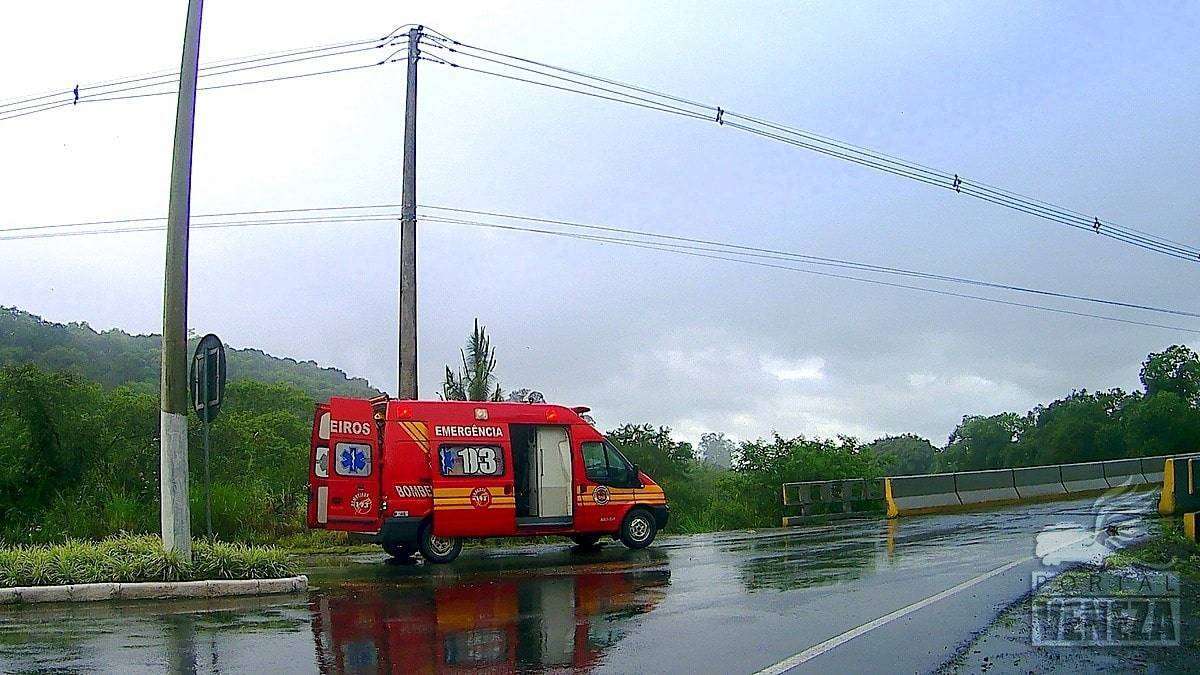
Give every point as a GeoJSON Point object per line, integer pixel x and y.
{"type": "Point", "coordinates": [1138, 612]}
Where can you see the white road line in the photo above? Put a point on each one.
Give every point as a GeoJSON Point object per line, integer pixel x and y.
{"type": "Point", "coordinates": [819, 649]}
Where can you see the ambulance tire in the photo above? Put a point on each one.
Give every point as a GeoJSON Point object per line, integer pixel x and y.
{"type": "Point", "coordinates": [638, 529]}
{"type": "Point", "coordinates": [400, 550]}
{"type": "Point", "coordinates": [586, 542]}
{"type": "Point", "coordinates": [438, 550]}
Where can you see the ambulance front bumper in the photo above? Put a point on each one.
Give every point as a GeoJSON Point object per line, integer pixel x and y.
{"type": "Point", "coordinates": [661, 515]}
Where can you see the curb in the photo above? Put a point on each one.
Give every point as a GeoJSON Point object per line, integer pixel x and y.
{"type": "Point", "coordinates": [154, 590]}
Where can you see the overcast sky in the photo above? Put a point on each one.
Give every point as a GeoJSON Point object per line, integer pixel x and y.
{"type": "Point", "coordinates": [1089, 105]}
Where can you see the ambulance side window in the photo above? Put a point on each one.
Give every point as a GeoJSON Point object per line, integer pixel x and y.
{"type": "Point", "coordinates": [603, 463]}
{"type": "Point", "coordinates": [594, 463]}
{"type": "Point", "coordinates": [471, 460]}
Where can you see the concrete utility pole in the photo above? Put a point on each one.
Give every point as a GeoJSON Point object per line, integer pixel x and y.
{"type": "Point", "coordinates": [408, 231]}
{"type": "Point", "coordinates": [173, 452]}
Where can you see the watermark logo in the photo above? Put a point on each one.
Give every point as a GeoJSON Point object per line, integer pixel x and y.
{"type": "Point", "coordinates": [1101, 607]}
{"type": "Point", "coordinates": [1079, 600]}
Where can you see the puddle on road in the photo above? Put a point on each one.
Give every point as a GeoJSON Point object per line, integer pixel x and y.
{"type": "Point", "coordinates": [555, 612]}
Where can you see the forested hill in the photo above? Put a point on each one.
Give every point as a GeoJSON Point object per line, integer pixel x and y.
{"type": "Point", "coordinates": [114, 357]}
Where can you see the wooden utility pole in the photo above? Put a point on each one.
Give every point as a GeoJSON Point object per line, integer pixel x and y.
{"type": "Point", "coordinates": [173, 449]}
{"type": "Point", "coordinates": [408, 231]}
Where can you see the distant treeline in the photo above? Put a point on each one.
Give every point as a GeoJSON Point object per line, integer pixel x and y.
{"type": "Point", "coordinates": [79, 441]}
{"type": "Point", "coordinates": [114, 357]}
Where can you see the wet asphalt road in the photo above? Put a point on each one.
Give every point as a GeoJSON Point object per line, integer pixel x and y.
{"type": "Point", "coordinates": [730, 602]}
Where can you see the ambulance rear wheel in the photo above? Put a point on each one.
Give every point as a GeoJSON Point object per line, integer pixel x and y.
{"type": "Point", "coordinates": [438, 549]}
{"type": "Point", "coordinates": [639, 529]}
{"type": "Point", "coordinates": [586, 542]}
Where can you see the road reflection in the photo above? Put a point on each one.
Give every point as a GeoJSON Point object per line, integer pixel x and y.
{"type": "Point", "coordinates": [792, 560]}
{"type": "Point", "coordinates": [499, 624]}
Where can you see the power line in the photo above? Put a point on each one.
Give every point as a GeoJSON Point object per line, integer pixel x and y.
{"type": "Point", "coordinates": [641, 97]}
{"type": "Point", "coordinates": [227, 85]}
{"type": "Point", "coordinates": [147, 219]}
{"type": "Point", "coordinates": [666, 241]}
{"type": "Point", "coordinates": [651, 106]}
{"type": "Point", "coordinates": [664, 106]}
{"type": "Point", "coordinates": [847, 277]}
{"type": "Point", "coordinates": [174, 76]}
{"type": "Point", "coordinates": [110, 94]}
{"type": "Point", "coordinates": [206, 226]}
{"type": "Point", "coordinates": [657, 100]}
{"type": "Point", "coordinates": [822, 260]}
{"type": "Point", "coordinates": [248, 82]}
{"type": "Point", "coordinates": [223, 63]}
{"type": "Point", "coordinates": [1032, 210]}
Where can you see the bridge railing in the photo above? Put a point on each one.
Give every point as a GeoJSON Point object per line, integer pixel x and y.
{"type": "Point", "coordinates": [832, 497]}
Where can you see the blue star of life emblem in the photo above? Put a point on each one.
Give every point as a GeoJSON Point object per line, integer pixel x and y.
{"type": "Point", "coordinates": [354, 460]}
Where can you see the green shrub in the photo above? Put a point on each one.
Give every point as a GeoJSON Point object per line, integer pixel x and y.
{"type": "Point", "coordinates": [129, 558]}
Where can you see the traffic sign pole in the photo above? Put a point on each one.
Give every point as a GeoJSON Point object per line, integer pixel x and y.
{"type": "Point", "coordinates": [207, 385]}
{"type": "Point", "coordinates": [207, 476]}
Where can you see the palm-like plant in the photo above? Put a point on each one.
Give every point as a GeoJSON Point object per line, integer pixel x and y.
{"type": "Point", "coordinates": [477, 379]}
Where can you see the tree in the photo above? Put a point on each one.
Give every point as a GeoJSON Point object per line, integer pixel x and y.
{"type": "Point", "coordinates": [1161, 424]}
{"type": "Point", "coordinates": [525, 395]}
{"type": "Point", "coordinates": [1176, 369]}
{"type": "Point", "coordinates": [982, 442]}
{"type": "Point", "coordinates": [1083, 427]}
{"type": "Point", "coordinates": [477, 379]}
{"type": "Point", "coordinates": [717, 450]}
{"type": "Point", "coordinates": [903, 455]}
{"type": "Point", "coordinates": [653, 450]}
{"type": "Point", "coordinates": [50, 431]}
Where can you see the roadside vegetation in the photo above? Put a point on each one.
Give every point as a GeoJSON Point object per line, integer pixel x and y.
{"type": "Point", "coordinates": [1169, 550]}
{"type": "Point", "coordinates": [128, 558]}
{"type": "Point", "coordinates": [79, 452]}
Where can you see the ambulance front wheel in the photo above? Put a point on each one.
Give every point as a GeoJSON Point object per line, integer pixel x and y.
{"type": "Point", "coordinates": [639, 529]}
{"type": "Point", "coordinates": [438, 549]}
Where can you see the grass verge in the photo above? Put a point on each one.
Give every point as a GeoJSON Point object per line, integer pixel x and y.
{"type": "Point", "coordinates": [1170, 550]}
{"type": "Point", "coordinates": [129, 558]}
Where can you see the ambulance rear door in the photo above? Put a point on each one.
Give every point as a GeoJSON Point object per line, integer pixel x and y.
{"type": "Point", "coordinates": [354, 466]}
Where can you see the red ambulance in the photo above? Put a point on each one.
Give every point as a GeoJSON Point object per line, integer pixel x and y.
{"type": "Point", "coordinates": [420, 476]}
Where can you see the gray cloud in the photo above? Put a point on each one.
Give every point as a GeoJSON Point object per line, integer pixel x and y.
{"type": "Point", "coordinates": [698, 344]}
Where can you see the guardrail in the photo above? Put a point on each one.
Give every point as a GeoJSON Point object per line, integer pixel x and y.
{"type": "Point", "coordinates": [929, 493]}
{"type": "Point", "coordinates": [914, 495]}
{"type": "Point", "coordinates": [837, 498]}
